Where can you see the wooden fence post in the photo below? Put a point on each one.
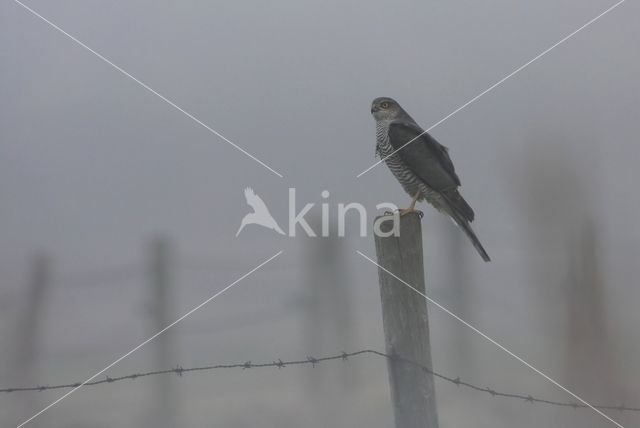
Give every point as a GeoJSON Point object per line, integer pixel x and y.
{"type": "Point", "coordinates": [406, 326]}
{"type": "Point", "coordinates": [161, 264]}
{"type": "Point", "coordinates": [29, 336]}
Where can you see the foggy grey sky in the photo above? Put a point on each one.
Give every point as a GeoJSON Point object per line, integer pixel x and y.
{"type": "Point", "coordinates": [91, 164]}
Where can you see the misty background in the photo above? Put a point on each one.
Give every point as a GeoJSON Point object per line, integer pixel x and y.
{"type": "Point", "coordinates": [97, 175]}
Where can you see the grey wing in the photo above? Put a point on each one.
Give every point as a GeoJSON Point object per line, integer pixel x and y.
{"type": "Point", "coordinates": [427, 158]}
{"type": "Point", "coordinates": [430, 161]}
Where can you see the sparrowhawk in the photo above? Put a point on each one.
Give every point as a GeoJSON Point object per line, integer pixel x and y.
{"type": "Point", "coordinates": [422, 167]}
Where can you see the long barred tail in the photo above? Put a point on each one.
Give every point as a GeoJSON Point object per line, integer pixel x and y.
{"type": "Point", "coordinates": [460, 219]}
{"type": "Point", "coordinates": [461, 206]}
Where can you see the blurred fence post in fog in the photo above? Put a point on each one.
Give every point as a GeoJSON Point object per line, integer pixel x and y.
{"type": "Point", "coordinates": [406, 324]}
{"type": "Point", "coordinates": [30, 324]}
{"type": "Point", "coordinates": [589, 365]}
{"type": "Point", "coordinates": [458, 284]}
{"type": "Point", "coordinates": [161, 264]}
{"type": "Point", "coordinates": [328, 323]}
{"type": "Point", "coordinates": [559, 202]}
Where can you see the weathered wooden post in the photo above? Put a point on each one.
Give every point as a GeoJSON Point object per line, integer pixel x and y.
{"type": "Point", "coordinates": [161, 264]}
{"type": "Point", "coordinates": [406, 325]}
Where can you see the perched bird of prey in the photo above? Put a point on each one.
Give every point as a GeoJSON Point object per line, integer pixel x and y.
{"type": "Point", "coordinates": [422, 167]}
{"type": "Point", "coordinates": [260, 215]}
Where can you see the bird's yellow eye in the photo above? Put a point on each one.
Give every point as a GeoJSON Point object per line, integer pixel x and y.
{"type": "Point", "coordinates": [384, 105]}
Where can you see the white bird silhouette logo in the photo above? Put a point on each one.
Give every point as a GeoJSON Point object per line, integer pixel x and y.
{"type": "Point", "coordinates": [260, 215]}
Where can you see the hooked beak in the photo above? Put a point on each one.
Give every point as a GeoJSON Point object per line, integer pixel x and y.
{"type": "Point", "coordinates": [374, 109]}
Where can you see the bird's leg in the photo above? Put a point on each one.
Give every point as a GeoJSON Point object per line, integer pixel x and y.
{"type": "Point", "coordinates": [412, 207]}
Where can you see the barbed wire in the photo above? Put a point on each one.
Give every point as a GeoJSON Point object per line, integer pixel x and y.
{"type": "Point", "coordinates": [344, 356]}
